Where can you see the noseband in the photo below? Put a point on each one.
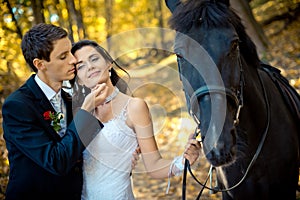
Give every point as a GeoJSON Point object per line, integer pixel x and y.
{"type": "Point", "coordinates": [205, 90]}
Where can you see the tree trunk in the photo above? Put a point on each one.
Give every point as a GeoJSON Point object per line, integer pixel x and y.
{"type": "Point", "coordinates": [160, 21]}
{"type": "Point", "coordinates": [108, 17]}
{"type": "Point", "coordinates": [38, 8]}
{"type": "Point", "coordinates": [14, 18]}
{"type": "Point", "coordinates": [72, 18]}
{"type": "Point", "coordinates": [62, 22]}
{"type": "Point", "coordinates": [253, 29]}
{"type": "Point", "coordinates": [80, 24]}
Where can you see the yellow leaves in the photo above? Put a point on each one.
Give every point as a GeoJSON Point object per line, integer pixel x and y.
{"type": "Point", "coordinates": [273, 8]}
{"type": "Point", "coordinates": [65, 13]}
{"type": "Point", "coordinates": [296, 84]}
{"type": "Point", "coordinates": [14, 62]}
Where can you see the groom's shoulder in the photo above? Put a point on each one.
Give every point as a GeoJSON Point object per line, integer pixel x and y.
{"type": "Point", "coordinates": [21, 94]}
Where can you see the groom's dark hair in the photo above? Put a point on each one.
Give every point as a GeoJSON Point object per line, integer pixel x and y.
{"type": "Point", "coordinates": [38, 42]}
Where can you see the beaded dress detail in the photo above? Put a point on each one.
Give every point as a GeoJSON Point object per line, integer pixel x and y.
{"type": "Point", "coordinates": [107, 161]}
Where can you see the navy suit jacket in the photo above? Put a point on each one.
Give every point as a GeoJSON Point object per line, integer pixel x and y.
{"type": "Point", "coordinates": [42, 164]}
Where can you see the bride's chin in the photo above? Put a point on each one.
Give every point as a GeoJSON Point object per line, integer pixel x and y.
{"type": "Point", "coordinates": [93, 87]}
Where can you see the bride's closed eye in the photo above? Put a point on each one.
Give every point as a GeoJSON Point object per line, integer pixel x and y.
{"type": "Point", "coordinates": [79, 66]}
{"type": "Point", "coordinates": [94, 59]}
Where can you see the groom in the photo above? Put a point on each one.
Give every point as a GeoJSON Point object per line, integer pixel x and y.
{"type": "Point", "coordinates": [43, 140]}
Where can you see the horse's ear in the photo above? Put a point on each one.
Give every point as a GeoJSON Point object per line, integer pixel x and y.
{"type": "Point", "coordinates": [172, 4]}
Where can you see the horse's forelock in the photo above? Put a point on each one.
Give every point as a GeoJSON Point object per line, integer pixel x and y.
{"type": "Point", "coordinates": [213, 14]}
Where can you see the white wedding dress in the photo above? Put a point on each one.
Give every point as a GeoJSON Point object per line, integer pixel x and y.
{"type": "Point", "coordinates": [107, 162]}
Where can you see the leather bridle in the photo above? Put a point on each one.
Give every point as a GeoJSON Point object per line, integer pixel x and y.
{"type": "Point", "coordinates": [239, 101]}
{"type": "Point", "coordinates": [237, 97]}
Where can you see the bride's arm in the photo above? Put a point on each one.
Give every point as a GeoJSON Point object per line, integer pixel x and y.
{"type": "Point", "coordinates": [156, 166]}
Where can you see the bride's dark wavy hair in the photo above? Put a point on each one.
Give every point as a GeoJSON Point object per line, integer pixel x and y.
{"type": "Point", "coordinates": [80, 91]}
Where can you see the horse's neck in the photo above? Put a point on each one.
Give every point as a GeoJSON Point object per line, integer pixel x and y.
{"type": "Point", "coordinates": [253, 91]}
{"type": "Point", "coordinates": [254, 112]}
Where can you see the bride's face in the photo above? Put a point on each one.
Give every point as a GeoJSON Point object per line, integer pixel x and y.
{"type": "Point", "coordinates": [91, 67]}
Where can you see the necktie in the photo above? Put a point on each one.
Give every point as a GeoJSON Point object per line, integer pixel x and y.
{"type": "Point", "coordinates": [56, 103]}
{"type": "Point", "coordinates": [59, 107]}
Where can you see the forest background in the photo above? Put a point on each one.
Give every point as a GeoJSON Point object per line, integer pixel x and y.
{"type": "Point", "coordinates": [136, 32]}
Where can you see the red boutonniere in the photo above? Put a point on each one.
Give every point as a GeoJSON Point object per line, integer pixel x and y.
{"type": "Point", "coordinates": [55, 119]}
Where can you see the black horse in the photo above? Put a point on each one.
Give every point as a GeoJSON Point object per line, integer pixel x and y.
{"type": "Point", "coordinates": [247, 113]}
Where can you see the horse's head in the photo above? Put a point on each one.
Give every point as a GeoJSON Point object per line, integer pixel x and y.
{"type": "Point", "coordinates": [207, 46]}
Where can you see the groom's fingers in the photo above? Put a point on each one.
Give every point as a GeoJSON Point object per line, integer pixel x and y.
{"type": "Point", "coordinates": [95, 98]}
{"type": "Point", "coordinates": [100, 89]}
{"type": "Point", "coordinates": [100, 93]}
{"type": "Point", "coordinates": [138, 150]}
{"type": "Point", "coordinates": [134, 159]}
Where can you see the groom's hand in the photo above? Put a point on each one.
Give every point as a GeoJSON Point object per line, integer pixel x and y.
{"type": "Point", "coordinates": [135, 157]}
{"type": "Point", "coordinates": [95, 98]}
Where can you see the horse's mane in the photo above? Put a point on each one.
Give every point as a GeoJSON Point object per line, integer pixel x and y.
{"type": "Point", "coordinates": [213, 14]}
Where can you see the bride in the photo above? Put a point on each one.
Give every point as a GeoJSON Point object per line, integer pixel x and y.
{"type": "Point", "coordinates": [127, 125]}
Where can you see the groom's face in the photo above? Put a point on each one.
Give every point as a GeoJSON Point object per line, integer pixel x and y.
{"type": "Point", "coordinates": [61, 65]}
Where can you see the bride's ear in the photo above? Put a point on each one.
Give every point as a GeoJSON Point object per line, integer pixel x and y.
{"type": "Point", "coordinates": [109, 71]}
{"type": "Point", "coordinates": [110, 68]}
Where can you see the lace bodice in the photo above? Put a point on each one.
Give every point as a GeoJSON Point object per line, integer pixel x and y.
{"type": "Point", "coordinates": [107, 161]}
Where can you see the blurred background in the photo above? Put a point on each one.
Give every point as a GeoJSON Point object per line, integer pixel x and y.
{"type": "Point", "coordinates": [274, 26]}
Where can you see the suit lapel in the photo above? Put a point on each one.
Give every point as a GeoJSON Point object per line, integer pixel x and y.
{"type": "Point", "coordinates": [39, 95]}
{"type": "Point", "coordinates": [68, 100]}
{"type": "Point", "coordinates": [42, 103]}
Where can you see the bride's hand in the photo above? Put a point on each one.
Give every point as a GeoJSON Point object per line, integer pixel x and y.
{"type": "Point", "coordinates": [192, 150]}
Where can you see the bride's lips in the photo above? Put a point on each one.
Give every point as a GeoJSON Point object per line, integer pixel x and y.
{"type": "Point", "coordinates": [94, 74]}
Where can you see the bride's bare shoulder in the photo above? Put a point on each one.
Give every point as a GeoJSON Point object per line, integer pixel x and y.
{"type": "Point", "coordinates": [138, 111]}
{"type": "Point", "coordinates": [137, 104]}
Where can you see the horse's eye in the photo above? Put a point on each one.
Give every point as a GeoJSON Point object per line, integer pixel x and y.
{"type": "Point", "coordinates": [234, 45]}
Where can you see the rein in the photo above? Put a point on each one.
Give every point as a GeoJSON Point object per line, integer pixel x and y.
{"type": "Point", "coordinates": [203, 91]}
